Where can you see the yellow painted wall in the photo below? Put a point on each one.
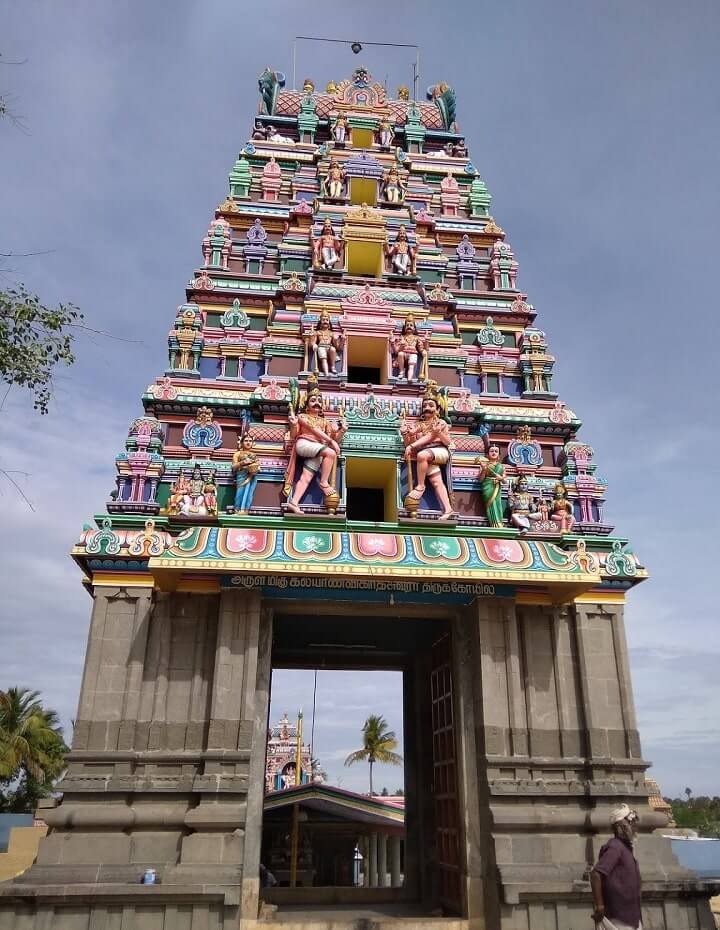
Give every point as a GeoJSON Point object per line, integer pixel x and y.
{"type": "Point", "coordinates": [375, 473]}
{"type": "Point", "coordinates": [21, 852]}
{"type": "Point", "coordinates": [364, 258]}
{"type": "Point", "coordinates": [361, 138]}
{"type": "Point", "coordinates": [368, 352]}
{"type": "Point", "coordinates": [363, 190]}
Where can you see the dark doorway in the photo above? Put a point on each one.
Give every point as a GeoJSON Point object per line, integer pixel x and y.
{"type": "Point", "coordinates": [358, 374]}
{"type": "Point", "coordinates": [366, 504]}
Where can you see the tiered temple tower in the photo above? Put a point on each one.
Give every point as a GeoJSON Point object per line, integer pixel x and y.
{"type": "Point", "coordinates": [354, 457]}
{"type": "Point", "coordinates": [282, 752]}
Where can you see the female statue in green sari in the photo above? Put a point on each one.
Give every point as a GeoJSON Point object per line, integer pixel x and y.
{"type": "Point", "coordinates": [491, 477]}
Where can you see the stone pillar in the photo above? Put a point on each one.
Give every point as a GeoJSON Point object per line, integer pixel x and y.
{"type": "Point", "coordinates": [166, 769]}
{"type": "Point", "coordinates": [373, 859]}
{"type": "Point", "coordinates": [395, 861]}
{"type": "Point", "coordinates": [365, 848]}
{"type": "Point", "coordinates": [382, 860]}
{"type": "Point", "coordinates": [548, 745]}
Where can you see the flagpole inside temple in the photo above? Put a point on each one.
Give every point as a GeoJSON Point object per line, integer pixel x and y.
{"type": "Point", "coordinates": [295, 831]}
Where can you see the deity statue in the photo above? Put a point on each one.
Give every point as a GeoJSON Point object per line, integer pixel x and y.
{"type": "Point", "coordinates": [193, 502]}
{"type": "Point", "coordinates": [562, 511]}
{"type": "Point", "coordinates": [402, 254]}
{"type": "Point", "coordinates": [403, 92]}
{"type": "Point", "coordinates": [308, 86]}
{"type": "Point", "coordinates": [326, 345]}
{"type": "Point", "coordinates": [210, 494]}
{"type": "Point", "coordinates": [428, 443]}
{"type": "Point", "coordinates": [327, 247]}
{"type": "Point", "coordinates": [185, 335]}
{"type": "Point", "coordinates": [393, 188]}
{"type": "Point", "coordinates": [335, 181]}
{"type": "Point", "coordinates": [316, 442]}
{"type": "Point", "coordinates": [245, 467]}
{"type": "Point", "coordinates": [259, 132]}
{"type": "Point", "coordinates": [178, 491]}
{"type": "Point", "coordinates": [386, 133]}
{"type": "Point", "coordinates": [340, 129]}
{"type": "Point", "coordinates": [523, 507]}
{"type": "Point", "coordinates": [492, 472]}
{"type": "Point", "coordinates": [407, 348]}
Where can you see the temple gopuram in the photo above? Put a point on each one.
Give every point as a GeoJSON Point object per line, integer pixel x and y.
{"type": "Point", "coordinates": [354, 458]}
{"type": "Point", "coordinates": [282, 757]}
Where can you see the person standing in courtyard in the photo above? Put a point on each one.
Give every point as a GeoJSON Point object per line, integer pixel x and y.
{"type": "Point", "coordinates": [615, 879]}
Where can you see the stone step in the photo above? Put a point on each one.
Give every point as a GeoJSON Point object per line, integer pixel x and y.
{"type": "Point", "coordinates": [343, 921]}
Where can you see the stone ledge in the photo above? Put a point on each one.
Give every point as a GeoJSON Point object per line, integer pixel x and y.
{"type": "Point", "coordinates": [151, 756]}
{"type": "Point", "coordinates": [128, 894]}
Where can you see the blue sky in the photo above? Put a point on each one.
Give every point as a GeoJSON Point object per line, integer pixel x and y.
{"type": "Point", "coordinates": [595, 127]}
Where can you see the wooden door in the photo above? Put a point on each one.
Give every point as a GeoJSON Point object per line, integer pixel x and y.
{"type": "Point", "coordinates": [445, 778]}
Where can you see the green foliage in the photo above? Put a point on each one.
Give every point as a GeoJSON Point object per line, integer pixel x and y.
{"type": "Point", "coordinates": [32, 749]}
{"type": "Point", "coordinates": [34, 339]}
{"type": "Point", "coordinates": [379, 745]}
{"type": "Point", "coordinates": [701, 814]}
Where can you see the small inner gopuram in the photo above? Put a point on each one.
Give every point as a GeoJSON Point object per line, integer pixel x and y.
{"type": "Point", "coordinates": [353, 459]}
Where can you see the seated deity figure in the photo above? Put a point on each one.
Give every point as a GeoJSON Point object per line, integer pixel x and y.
{"type": "Point", "coordinates": [460, 149]}
{"type": "Point", "coordinates": [492, 473]}
{"type": "Point", "coordinates": [335, 181]}
{"type": "Point", "coordinates": [428, 444]}
{"type": "Point", "coordinates": [386, 134]}
{"type": "Point", "coordinates": [340, 129]}
{"type": "Point", "coordinates": [524, 510]}
{"type": "Point", "coordinates": [393, 187]}
{"type": "Point", "coordinates": [194, 502]}
{"type": "Point", "coordinates": [562, 512]}
{"type": "Point", "coordinates": [402, 254]}
{"type": "Point", "coordinates": [316, 443]}
{"type": "Point", "coordinates": [326, 345]}
{"type": "Point", "coordinates": [178, 491]}
{"type": "Point", "coordinates": [407, 349]}
{"type": "Point", "coordinates": [327, 247]}
{"type": "Point", "coordinates": [245, 467]}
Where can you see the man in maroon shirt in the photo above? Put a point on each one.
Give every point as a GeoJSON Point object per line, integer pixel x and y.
{"type": "Point", "coordinates": [615, 880]}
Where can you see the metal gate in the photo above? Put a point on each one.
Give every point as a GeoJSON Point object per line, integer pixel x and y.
{"type": "Point", "coordinates": [445, 779]}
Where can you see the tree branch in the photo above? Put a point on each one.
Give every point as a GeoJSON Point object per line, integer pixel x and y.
{"type": "Point", "coordinates": [9, 476]}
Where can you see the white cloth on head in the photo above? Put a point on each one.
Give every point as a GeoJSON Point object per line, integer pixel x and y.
{"type": "Point", "coordinates": [619, 813]}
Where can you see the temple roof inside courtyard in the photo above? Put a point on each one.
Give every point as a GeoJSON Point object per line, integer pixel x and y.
{"type": "Point", "coordinates": [340, 804]}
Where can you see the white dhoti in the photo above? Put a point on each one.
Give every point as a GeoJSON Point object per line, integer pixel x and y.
{"type": "Point", "coordinates": [607, 924]}
{"type": "Point", "coordinates": [311, 452]}
{"type": "Point", "coordinates": [401, 263]}
{"type": "Point", "coordinates": [329, 257]}
{"type": "Point", "coordinates": [322, 353]}
{"type": "Point", "coordinates": [441, 456]}
{"type": "Point", "coordinates": [524, 520]}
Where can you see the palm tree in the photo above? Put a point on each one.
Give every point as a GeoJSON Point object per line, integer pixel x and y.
{"type": "Point", "coordinates": [379, 744]}
{"type": "Point", "coordinates": [32, 749]}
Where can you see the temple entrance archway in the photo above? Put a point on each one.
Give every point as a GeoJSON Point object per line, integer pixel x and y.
{"type": "Point", "coordinates": [429, 848]}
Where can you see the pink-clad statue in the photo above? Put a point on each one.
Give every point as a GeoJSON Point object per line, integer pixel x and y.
{"type": "Point", "coordinates": [401, 254]}
{"type": "Point", "coordinates": [428, 444]}
{"type": "Point", "coordinates": [408, 348]}
{"type": "Point", "coordinates": [327, 248]}
{"type": "Point", "coordinates": [562, 514]}
{"type": "Point", "coordinates": [326, 345]}
{"type": "Point", "coordinates": [335, 181]}
{"type": "Point", "coordinates": [315, 443]}
{"type": "Point", "coordinates": [340, 129]}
